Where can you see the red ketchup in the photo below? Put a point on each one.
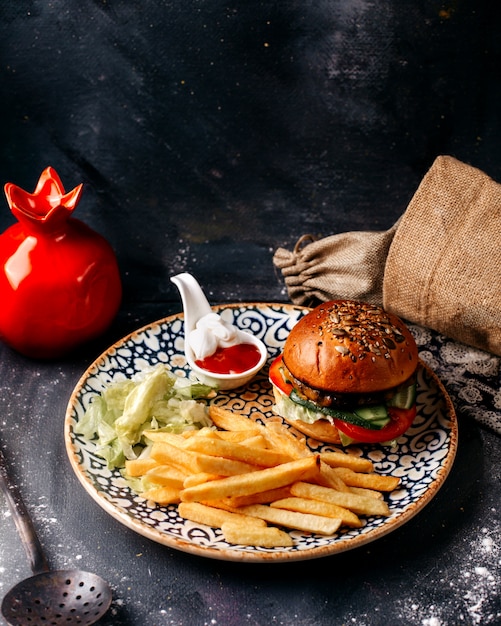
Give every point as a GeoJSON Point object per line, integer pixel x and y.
{"type": "Point", "coordinates": [233, 360]}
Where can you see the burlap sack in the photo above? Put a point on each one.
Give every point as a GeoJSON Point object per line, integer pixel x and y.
{"type": "Point", "coordinates": [439, 266]}
{"type": "Point", "coordinates": [444, 265]}
{"type": "Point", "coordinates": [348, 265]}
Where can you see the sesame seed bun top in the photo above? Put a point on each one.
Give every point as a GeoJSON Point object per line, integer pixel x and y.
{"type": "Point", "coordinates": [350, 347]}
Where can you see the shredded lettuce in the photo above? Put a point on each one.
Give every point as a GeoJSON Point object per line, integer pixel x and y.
{"type": "Point", "coordinates": [156, 400]}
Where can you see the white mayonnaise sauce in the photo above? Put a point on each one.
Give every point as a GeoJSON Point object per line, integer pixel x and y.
{"type": "Point", "coordinates": [211, 332]}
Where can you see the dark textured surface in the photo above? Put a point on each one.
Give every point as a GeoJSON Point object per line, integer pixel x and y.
{"type": "Point", "coordinates": [207, 135]}
{"type": "Point", "coordinates": [217, 125]}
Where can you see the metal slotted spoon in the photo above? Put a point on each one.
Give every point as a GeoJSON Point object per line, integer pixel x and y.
{"type": "Point", "coordinates": [48, 598]}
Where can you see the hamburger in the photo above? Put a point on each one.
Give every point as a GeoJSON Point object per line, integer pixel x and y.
{"type": "Point", "coordinates": [347, 374]}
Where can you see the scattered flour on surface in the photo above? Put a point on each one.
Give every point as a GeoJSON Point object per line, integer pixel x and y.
{"type": "Point", "coordinates": [472, 597]}
{"type": "Point", "coordinates": [433, 621]}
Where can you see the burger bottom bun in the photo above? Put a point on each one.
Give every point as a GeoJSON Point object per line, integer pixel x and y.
{"type": "Point", "coordinates": [322, 430]}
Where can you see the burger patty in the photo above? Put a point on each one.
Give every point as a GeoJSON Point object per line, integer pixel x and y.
{"type": "Point", "coordinates": [343, 401]}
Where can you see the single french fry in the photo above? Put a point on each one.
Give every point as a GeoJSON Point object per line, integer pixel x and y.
{"type": "Point", "coordinates": [237, 451]}
{"type": "Point", "coordinates": [377, 482]}
{"type": "Point", "coordinates": [230, 420]}
{"type": "Point", "coordinates": [361, 491]}
{"type": "Point", "coordinates": [253, 482]}
{"type": "Point", "coordinates": [138, 467]}
{"type": "Point", "coordinates": [199, 478]}
{"type": "Point", "coordinates": [329, 478]}
{"type": "Point", "coordinates": [162, 495]}
{"type": "Point", "coordinates": [215, 517]}
{"type": "Point", "coordinates": [262, 497]}
{"type": "Point", "coordinates": [167, 476]}
{"type": "Point", "coordinates": [361, 505]}
{"type": "Point", "coordinates": [316, 507]}
{"type": "Point", "coordinates": [168, 454]}
{"type": "Point", "coordinates": [266, 537]}
{"type": "Point", "coordinates": [342, 459]}
{"type": "Point", "coordinates": [292, 519]}
{"type": "Point", "coordinates": [221, 465]}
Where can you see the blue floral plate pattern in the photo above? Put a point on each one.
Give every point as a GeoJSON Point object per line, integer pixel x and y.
{"type": "Point", "coordinates": [422, 458]}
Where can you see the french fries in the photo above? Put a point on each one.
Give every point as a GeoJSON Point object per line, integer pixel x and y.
{"type": "Point", "coordinates": [229, 420]}
{"type": "Point", "coordinates": [317, 507]}
{"type": "Point", "coordinates": [254, 455]}
{"type": "Point", "coordinates": [307, 522]}
{"type": "Point", "coordinates": [361, 505]}
{"type": "Point", "coordinates": [252, 481]}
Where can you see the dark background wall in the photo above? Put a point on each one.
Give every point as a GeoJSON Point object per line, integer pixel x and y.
{"type": "Point", "coordinates": [242, 124]}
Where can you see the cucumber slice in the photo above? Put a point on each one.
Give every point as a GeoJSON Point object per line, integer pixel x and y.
{"type": "Point", "coordinates": [404, 398]}
{"type": "Point", "coordinates": [381, 423]}
{"type": "Point", "coordinates": [376, 415]}
{"type": "Point", "coordinates": [372, 413]}
{"type": "Point", "coordinates": [345, 416]}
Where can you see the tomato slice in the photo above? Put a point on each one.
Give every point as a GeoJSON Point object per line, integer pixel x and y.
{"type": "Point", "coordinates": [276, 376]}
{"type": "Point", "coordinates": [401, 420]}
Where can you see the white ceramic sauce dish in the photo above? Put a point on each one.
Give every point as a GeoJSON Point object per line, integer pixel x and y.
{"type": "Point", "coordinates": [196, 307]}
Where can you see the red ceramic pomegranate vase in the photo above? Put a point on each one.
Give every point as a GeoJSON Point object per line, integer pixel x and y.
{"type": "Point", "coordinates": [59, 280]}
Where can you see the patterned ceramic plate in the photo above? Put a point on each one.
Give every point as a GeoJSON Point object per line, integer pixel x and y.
{"type": "Point", "coordinates": [422, 459]}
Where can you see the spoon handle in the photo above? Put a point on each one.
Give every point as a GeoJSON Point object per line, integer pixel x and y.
{"type": "Point", "coordinates": [195, 304]}
{"type": "Point", "coordinates": [23, 522]}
